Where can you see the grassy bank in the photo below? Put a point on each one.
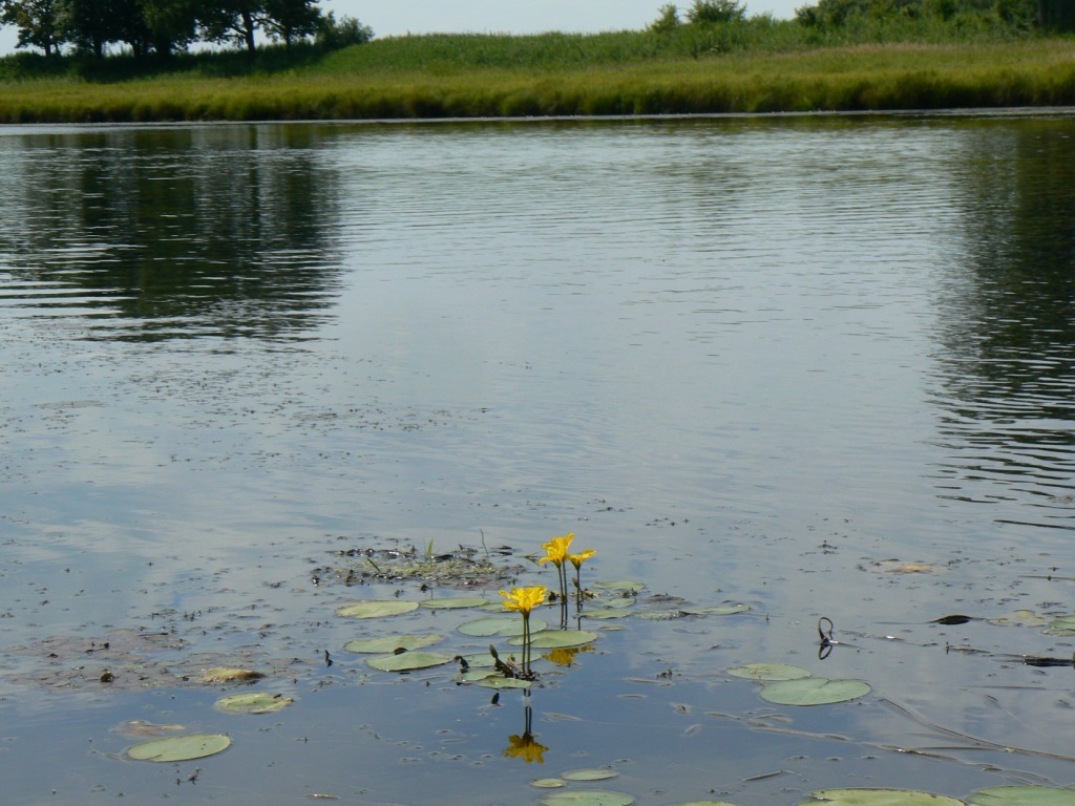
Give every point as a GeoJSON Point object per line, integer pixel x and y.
{"type": "Point", "coordinates": [613, 74]}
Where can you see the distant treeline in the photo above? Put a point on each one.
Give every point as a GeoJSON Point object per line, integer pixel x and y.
{"type": "Point", "coordinates": [1044, 15]}
{"type": "Point", "coordinates": [163, 27]}
{"type": "Point", "coordinates": [145, 31]}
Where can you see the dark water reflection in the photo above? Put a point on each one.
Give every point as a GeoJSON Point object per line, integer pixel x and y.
{"type": "Point", "coordinates": [772, 361]}
{"type": "Point", "coordinates": [1008, 338]}
{"type": "Point", "coordinates": [174, 233]}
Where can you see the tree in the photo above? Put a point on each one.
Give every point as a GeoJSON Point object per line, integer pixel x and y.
{"type": "Point", "coordinates": [333, 35]}
{"type": "Point", "coordinates": [667, 19]}
{"type": "Point", "coordinates": [289, 20]}
{"type": "Point", "coordinates": [709, 11]}
{"type": "Point", "coordinates": [38, 22]}
{"type": "Point", "coordinates": [232, 21]}
{"type": "Point", "coordinates": [170, 24]}
{"type": "Point", "coordinates": [89, 24]}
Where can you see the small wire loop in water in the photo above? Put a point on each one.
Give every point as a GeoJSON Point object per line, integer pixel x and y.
{"type": "Point", "coordinates": [824, 633]}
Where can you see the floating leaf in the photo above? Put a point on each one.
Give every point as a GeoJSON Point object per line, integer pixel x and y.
{"type": "Point", "coordinates": [228, 674]}
{"type": "Point", "coordinates": [1061, 625]}
{"type": "Point", "coordinates": [897, 567]}
{"type": "Point", "coordinates": [813, 691]}
{"type": "Point", "coordinates": [1020, 618]}
{"type": "Point", "coordinates": [615, 603]}
{"type": "Point", "coordinates": [503, 682]}
{"type": "Point", "coordinates": [592, 797]}
{"type": "Point", "coordinates": [769, 671]}
{"type": "Point", "coordinates": [253, 702]}
{"type": "Point", "coordinates": [180, 748]}
{"type": "Point", "coordinates": [390, 643]}
{"type": "Point", "coordinates": [607, 612]}
{"type": "Point", "coordinates": [659, 615]}
{"type": "Point", "coordinates": [478, 660]}
{"type": "Point", "coordinates": [589, 775]}
{"type": "Point", "coordinates": [455, 602]}
{"type": "Point", "coordinates": [548, 783]}
{"type": "Point", "coordinates": [408, 661]}
{"type": "Point", "coordinates": [376, 608]}
{"type": "Point", "coordinates": [879, 797]}
{"type": "Point", "coordinates": [500, 625]}
{"type": "Point", "coordinates": [477, 675]}
{"type": "Point", "coordinates": [556, 639]}
{"type": "Point", "coordinates": [718, 610]}
{"type": "Point", "coordinates": [1023, 796]}
{"type": "Point", "coordinates": [957, 619]}
{"type": "Point", "coordinates": [705, 803]}
{"type": "Point", "coordinates": [629, 585]}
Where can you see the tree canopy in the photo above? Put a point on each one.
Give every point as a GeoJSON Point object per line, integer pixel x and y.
{"type": "Point", "coordinates": [162, 27]}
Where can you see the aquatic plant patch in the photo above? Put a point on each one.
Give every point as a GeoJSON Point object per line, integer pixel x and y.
{"type": "Point", "coordinates": [879, 797]}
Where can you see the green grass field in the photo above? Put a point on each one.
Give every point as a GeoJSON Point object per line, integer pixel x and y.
{"type": "Point", "coordinates": [758, 66]}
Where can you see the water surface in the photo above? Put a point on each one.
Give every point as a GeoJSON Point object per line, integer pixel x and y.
{"type": "Point", "coordinates": [757, 360]}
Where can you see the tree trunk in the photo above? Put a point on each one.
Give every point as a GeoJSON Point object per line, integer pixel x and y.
{"type": "Point", "coordinates": [248, 32]}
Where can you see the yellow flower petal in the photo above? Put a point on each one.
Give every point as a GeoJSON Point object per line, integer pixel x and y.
{"type": "Point", "coordinates": [556, 549]}
{"type": "Point", "coordinates": [581, 557]}
{"type": "Point", "coordinates": [524, 600]}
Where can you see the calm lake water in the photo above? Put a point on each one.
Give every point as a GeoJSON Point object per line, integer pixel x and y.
{"type": "Point", "coordinates": [818, 366]}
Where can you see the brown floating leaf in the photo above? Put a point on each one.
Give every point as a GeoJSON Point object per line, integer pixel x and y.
{"type": "Point", "coordinates": [227, 674]}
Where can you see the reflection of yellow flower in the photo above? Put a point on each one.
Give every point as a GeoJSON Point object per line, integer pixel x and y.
{"type": "Point", "coordinates": [525, 747]}
{"type": "Point", "coordinates": [556, 549]}
{"type": "Point", "coordinates": [578, 559]}
{"type": "Point", "coordinates": [524, 599]}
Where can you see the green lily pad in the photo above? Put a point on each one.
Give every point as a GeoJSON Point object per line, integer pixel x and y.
{"type": "Point", "coordinates": [456, 602]}
{"type": "Point", "coordinates": [659, 615]}
{"type": "Point", "coordinates": [477, 675]}
{"type": "Point", "coordinates": [589, 775]}
{"type": "Point", "coordinates": [557, 639]}
{"type": "Point", "coordinates": [253, 702]}
{"type": "Point", "coordinates": [879, 797]}
{"type": "Point", "coordinates": [408, 661]}
{"type": "Point", "coordinates": [1020, 618]}
{"type": "Point", "coordinates": [717, 610]}
{"type": "Point", "coordinates": [1061, 625]}
{"type": "Point", "coordinates": [629, 585]}
{"type": "Point", "coordinates": [769, 671]}
{"type": "Point", "coordinates": [479, 660]}
{"type": "Point", "coordinates": [500, 625]}
{"type": "Point", "coordinates": [548, 783]}
{"type": "Point", "coordinates": [592, 797]}
{"type": "Point", "coordinates": [390, 643]}
{"type": "Point", "coordinates": [503, 682]}
{"type": "Point", "coordinates": [180, 748]}
{"type": "Point", "coordinates": [705, 803]}
{"type": "Point", "coordinates": [813, 691]}
{"type": "Point", "coordinates": [376, 608]}
{"type": "Point", "coordinates": [1022, 796]}
{"type": "Point", "coordinates": [607, 612]}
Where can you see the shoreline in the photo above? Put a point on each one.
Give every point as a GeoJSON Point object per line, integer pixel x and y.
{"type": "Point", "coordinates": [876, 79]}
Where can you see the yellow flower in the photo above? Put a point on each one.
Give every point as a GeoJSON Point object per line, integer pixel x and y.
{"type": "Point", "coordinates": [525, 599]}
{"type": "Point", "coordinates": [578, 559]}
{"type": "Point", "coordinates": [527, 748]}
{"type": "Point", "coordinates": [556, 549]}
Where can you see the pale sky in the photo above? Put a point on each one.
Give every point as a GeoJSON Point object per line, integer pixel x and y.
{"type": "Point", "coordinates": [397, 17]}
